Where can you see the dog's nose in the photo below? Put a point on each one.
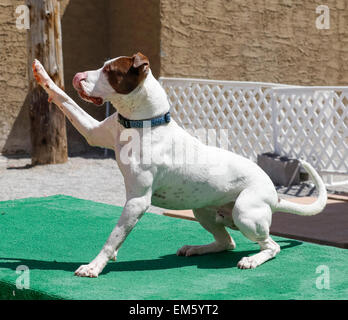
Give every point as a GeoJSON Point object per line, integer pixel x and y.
{"type": "Point", "coordinates": [78, 78]}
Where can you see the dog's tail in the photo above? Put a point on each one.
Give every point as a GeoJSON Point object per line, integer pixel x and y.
{"type": "Point", "coordinates": [309, 209]}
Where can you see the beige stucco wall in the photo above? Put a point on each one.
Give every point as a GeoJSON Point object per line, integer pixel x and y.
{"type": "Point", "coordinates": [84, 46]}
{"type": "Point", "coordinates": [93, 31]}
{"type": "Point", "coordinates": [250, 40]}
{"type": "Point", "coordinates": [14, 118]}
{"type": "Point", "coordinates": [13, 83]}
{"type": "Point", "coordinates": [135, 26]}
{"type": "Point", "coordinates": [255, 40]}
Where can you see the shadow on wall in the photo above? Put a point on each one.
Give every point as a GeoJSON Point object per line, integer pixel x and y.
{"type": "Point", "coordinates": [92, 32]}
{"type": "Point", "coordinates": [18, 140]}
{"type": "Point", "coordinates": [85, 47]}
{"type": "Point", "coordinates": [135, 26]}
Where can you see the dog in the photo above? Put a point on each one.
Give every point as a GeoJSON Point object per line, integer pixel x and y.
{"type": "Point", "coordinates": [224, 190]}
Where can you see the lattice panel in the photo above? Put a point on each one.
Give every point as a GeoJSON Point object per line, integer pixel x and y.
{"type": "Point", "coordinates": [312, 123]}
{"type": "Point", "coordinates": [300, 122]}
{"type": "Point", "coordinates": [239, 113]}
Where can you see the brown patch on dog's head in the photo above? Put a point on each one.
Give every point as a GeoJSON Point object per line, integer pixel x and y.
{"type": "Point", "coordinates": [125, 73]}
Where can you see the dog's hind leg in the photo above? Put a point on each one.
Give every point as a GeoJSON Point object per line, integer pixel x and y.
{"type": "Point", "coordinates": [253, 219]}
{"type": "Point", "coordinates": [223, 241]}
{"type": "Point", "coordinates": [269, 249]}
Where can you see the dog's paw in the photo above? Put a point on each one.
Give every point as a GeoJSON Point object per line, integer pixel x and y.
{"type": "Point", "coordinates": [41, 76]}
{"type": "Point", "coordinates": [187, 251]}
{"type": "Point", "coordinates": [247, 263]}
{"type": "Point", "coordinates": [91, 270]}
{"type": "Point", "coordinates": [204, 249]}
{"type": "Point", "coordinates": [39, 72]}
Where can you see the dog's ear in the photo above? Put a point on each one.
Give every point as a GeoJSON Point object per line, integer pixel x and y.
{"type": "Point", "coordinates": [141, 61]}
{"type": "Point", "coordinates": [125, 73]}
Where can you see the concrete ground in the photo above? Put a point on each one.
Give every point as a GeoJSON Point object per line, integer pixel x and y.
{"type": "Point", "coordinates": [93, 177]}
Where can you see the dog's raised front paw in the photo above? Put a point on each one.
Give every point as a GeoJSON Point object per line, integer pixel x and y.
{"type": "Point", "coordinates": [40, 74]}
{"type": "Point", "coordinates": [43, 79]}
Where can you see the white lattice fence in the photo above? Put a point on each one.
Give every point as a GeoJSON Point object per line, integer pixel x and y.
{"type": "Point", "coordinates": [302, 122]}
{"type": "Point", "coordinates": [240, 109]}
{"type": "Point", "coordinates": [312, 123]}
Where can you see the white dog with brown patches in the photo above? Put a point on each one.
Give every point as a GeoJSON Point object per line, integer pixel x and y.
{"type": "Point", "coordinates": [227, 190]}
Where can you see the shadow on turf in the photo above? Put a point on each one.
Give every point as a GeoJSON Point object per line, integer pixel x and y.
{"type": "Point", "coordinates": [227, 259]}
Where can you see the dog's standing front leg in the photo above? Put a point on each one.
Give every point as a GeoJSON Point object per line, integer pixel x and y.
{"type": "Point", "coordinates": [132, 212]}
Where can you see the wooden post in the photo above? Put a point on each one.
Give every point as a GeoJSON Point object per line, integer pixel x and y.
{"type": "Point", "coordinates": [48, 129]}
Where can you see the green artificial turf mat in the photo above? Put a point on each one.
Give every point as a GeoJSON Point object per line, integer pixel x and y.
{"type": "Point", "coordinates": [53, 236]}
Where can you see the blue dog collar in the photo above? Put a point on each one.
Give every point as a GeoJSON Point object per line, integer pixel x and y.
{"type": "Point", "coordinates": [140, 123]}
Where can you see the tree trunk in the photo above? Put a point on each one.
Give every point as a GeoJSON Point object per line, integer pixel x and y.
{"type": "Point", "coordinates": [48, 130]}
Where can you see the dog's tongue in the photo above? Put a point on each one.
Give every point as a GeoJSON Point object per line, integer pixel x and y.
{"type": "Point", "coordinates": [96, 100]}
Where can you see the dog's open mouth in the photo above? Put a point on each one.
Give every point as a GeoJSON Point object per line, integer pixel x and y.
{"type": "Point", "coordinates": [96, 100]}
{"type": "Point", "coordinates": [79, 87]}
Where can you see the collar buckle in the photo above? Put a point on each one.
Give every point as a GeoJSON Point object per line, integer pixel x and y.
{"type": "Point", "coordinates": [167, 117]}
{"type": "Point", "coordinates": [126, 123]}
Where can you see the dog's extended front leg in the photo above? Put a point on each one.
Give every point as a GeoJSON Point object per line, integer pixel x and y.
{"type": "Point", "coordinates": [96, 133]}
{"type": "Point", "coordinates": [132, 212]}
